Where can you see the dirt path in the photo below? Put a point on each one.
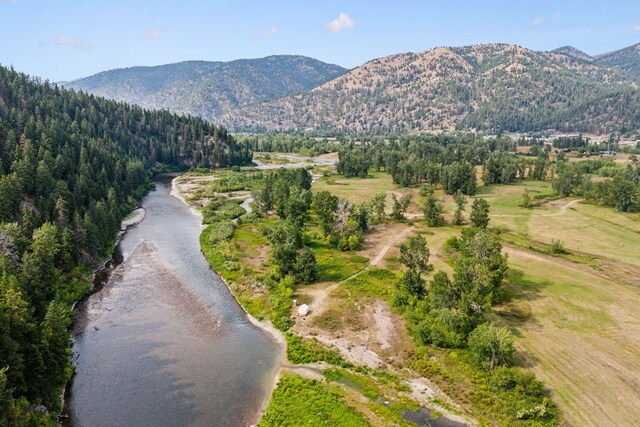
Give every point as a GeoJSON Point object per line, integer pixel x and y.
{"type": "Point", "coordinates": [320, 294]}
{"type": "Point", "coordinates": [563, 210]}
{"type": "Point", "coordinates": [380, 256]}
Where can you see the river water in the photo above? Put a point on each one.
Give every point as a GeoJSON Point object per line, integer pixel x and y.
{"type": "Point", "coordinates": [164, 343]}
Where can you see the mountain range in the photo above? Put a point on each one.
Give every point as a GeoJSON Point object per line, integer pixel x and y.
{"type": "Point", "coordinates": [209, 89]}
{"type": "Point", "coordinates": [489, 87]}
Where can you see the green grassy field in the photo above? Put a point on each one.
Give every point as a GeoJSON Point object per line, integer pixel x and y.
{"type": "Point", "coordinates": [335, 265]}
{"type": "Point", "coordinates": [298, 401]}
{"type": "Point", "coordinates": [357, 190]}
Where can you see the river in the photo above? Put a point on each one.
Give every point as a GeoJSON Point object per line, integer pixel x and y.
{"type": "Point", "coordinates": [164, 343]}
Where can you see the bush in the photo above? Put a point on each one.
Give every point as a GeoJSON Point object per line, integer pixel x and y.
{"type": "Point", "coordinates": [351, 242]}
{"type": "Point", "coordinates": [435, 331]}
{"type": "Point", "coordinates": [302, 350]}
{"type": "Point", "coordinates": [231, 266]}
{"type": "Point", "coordinates": [491, 346]}
{"type": "Point", "coordinates": [299, 401]}
{"type": "Point", "coordinates": [452, 245]}
{"type": "Point", "coordinates": [518, 380]}
{"type": "Point", "coordinates": [221, 231]}
{"type": "Point", "coordinates": [222, 209]}
{"type": "Point", "coordinates": [557, 248]}
{"type": "Point", "coordinates": [280, 302]}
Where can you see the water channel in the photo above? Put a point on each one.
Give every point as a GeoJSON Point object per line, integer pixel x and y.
{"type": "Point", "coordinates": [164, 343]}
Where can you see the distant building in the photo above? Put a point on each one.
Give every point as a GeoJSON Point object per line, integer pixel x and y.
{"type": "Point", "coordinates": [303, 310]}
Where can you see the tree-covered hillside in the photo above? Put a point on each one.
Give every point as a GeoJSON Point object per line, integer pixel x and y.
{"type": "Point", "coordinates": [573, 53]}
{"type": "Point", "coordinates": [484, 87]}
{"type": "Point", "coordinates": [627, 59]}
{"type": "Point", "coordinates": [209, 89]}
{"type": "Point", "coordinates": [71, 166]}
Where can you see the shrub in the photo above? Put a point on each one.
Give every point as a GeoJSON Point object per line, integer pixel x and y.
{"type": "Point", "coordinates": [516, 379]}
{"type": "Point", "coordinates": [302, 350]}
{"type": "Point", "coordinates": [491, 346]}
{"type": "Point", "coordinates": [434, 331]}
{"type": "Point", "coordinates": [557, 248]}
{"type": "Point", "coordinates": [452, 245]}
{"type": "Point", "coordinates": [221, 231]}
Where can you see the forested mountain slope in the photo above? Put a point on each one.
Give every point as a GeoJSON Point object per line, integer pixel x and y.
{"type": "Point", "coordinates": [484, 87]}
{"type": "Point", "coordinates": [573, 53]}
{"type": "Point", "coordinates": [209, 89]}
{"type": "Point", "coordinates": [627, 59]}
{"type": "Point", "coordinates": [71, 166]}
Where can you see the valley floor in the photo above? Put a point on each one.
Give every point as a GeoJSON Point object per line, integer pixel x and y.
{"type": "Point", "coordinates": [575, 314]}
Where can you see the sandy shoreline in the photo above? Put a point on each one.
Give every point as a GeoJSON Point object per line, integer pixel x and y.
{"type": "Point", "coordinates": [175, 192]}
{"type": "Point", "coordinates": [267, 327]}
{"type": "Point", "coordinates": [135, 217]}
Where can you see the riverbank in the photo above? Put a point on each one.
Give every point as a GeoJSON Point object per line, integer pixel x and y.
{"type": "Point", "coordinates": [134, 218]}
{"type": "Point", "coordinates": [265, 326]}
{"type": "Point", "coordinates": [175, 192]}
{"type": "Point", "coordinates": [98, 278]}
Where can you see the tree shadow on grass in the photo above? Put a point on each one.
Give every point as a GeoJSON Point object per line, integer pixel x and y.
{"type": "Point", "coordinates": [518, 293]}
{"type": "Point", "coordinates": [522, 288]}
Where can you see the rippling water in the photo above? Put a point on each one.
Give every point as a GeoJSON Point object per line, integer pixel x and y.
{"type": "Point", "coordinates": [164, 343]}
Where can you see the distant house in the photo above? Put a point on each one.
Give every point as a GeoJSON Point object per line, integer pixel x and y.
{"type": "Point", "coordinates": [303, 310]}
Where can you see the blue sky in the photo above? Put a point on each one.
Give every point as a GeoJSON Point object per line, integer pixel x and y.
{"type": "Point", "coordinates": [66, 39]}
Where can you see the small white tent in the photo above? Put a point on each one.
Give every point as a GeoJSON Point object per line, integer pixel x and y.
{"type": "Point", "coordinates": [303, 310]}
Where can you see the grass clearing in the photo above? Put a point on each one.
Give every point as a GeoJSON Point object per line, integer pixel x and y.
{"type": "Point", "coordinates": [299, 401]}
{"type": "Point", "coordinates": [592, 229]}
{"type": "Point", "coordinates": [375, 282]}
{"type": "Point", "coordinates": [357, 190]}
{"type": "Point", "coordinates": [335, 265]}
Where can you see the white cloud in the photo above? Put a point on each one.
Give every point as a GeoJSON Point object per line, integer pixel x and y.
{"type": "Point", "coordinates": [556, 17]}
{"type": "Point", "coordinates": [153, 33]}
{"type": "Point", "coordinates": [68, 41]}
{"type": "Point", "coordinates": [269, 33]}
{"type": "Point", "coordinates": [340, 23]}
{"type": "Point", "coordinates": [8, 1]}
{"type": "Point", "coordinates": [636, 27]}
{"type": "Point", "coordinates": [538, 21]}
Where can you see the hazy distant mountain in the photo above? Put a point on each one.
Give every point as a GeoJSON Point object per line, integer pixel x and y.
{"type": "Point", "coordinates": [483, 87]}
{"type": "Point", "coordinates": [209, 89]}
{"type": "Point", "coordinates": [573, 53]}
{"type": "Point", "coordinates": [627, 59]}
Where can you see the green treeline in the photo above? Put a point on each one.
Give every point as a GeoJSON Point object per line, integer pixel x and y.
{"type": "Point", "coordinates": [448, 160]}
{"type": "Point", "coordinates": [621, 192]}
{"type": "Point", "coordinates": [71, 167]}
{"type": "Point", "coordinates": [451, 160]}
